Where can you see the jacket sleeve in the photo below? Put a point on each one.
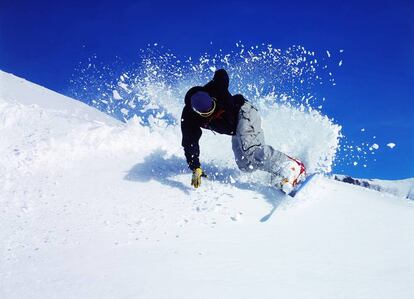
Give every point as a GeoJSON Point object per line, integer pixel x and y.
{"type": "Point", "coordinates": [191, 133]}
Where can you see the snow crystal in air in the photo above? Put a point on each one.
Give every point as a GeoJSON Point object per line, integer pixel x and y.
{"type": "Point", "coordinates": [340, 63]}
{"type": "Point", "coordinates": [328, 53]}
{"type": "Point", "coordinates": [279, 81]}
{"type": "Point", "coordinates": [116, 95]}
{"type": "Point", "coordinates": [374, 147]}
{"type": "Point", "coordinates": [391, 145]}
{"type": "Point", "coordinates": [124, 86]}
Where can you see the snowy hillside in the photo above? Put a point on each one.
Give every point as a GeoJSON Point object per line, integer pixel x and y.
{"type": "Point", "coordinates": [399, 188]}
{"type": "Point", "coordinates": [95, 208]}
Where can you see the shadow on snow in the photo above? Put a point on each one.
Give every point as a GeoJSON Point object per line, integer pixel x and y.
{"type": "Point", "coordinates": [158, 167]}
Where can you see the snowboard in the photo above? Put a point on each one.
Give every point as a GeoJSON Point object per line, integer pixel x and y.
{"type": "Point", "coordinates": [299, 187]}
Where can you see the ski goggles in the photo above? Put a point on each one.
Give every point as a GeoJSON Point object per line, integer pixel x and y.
{"type": "Point", "coordinates": [207, 113]}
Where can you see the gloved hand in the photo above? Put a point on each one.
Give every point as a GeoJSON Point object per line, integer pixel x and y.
{"type": "Point", "coordinates": [196, 179]}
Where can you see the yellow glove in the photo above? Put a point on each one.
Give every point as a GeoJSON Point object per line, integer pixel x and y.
{"type": "Point", "coordinates": [196, 179]}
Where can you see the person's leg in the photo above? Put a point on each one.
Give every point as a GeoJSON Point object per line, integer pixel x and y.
{"type": "Point", "coordinates": [249, 144]}
{"type": "Point", "coordinates": [242, 162]}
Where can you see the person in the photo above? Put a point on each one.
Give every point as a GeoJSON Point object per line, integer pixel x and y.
{"type": "Point", "coordinates": [212, 107]}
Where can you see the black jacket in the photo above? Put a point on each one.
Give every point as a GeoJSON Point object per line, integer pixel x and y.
{"type": "Point", "coordinates": [223, 120]}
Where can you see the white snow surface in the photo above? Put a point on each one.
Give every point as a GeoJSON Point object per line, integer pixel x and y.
{"type": "Point", "coordinates": [94, 208]}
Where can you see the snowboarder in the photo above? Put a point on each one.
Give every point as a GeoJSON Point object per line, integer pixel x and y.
{"type": "Point", "coordinates": [213, 107]}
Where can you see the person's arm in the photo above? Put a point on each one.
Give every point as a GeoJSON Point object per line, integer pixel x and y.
{"type": "Point", "coordinates": [221, 79]}
{"type": "Point", "coordinates": [191, 133]}
{"type": "Point", "coordinates": [220, 83]}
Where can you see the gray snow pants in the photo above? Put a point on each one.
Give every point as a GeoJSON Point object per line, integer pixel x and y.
{"type": "Point", "coordinates": [250, 151]}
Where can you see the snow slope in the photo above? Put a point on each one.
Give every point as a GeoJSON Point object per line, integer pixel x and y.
{"type": "Point", "coordinates": [94, 208]}
{"type": "Point", "coordinates": [399, 188]}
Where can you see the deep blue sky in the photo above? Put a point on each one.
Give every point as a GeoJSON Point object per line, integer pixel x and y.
{"type": "Point", "coordinates": [43, 41]}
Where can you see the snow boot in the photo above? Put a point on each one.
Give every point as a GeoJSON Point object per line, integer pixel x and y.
{"type": "Point", "coordinates": [291, 174]}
